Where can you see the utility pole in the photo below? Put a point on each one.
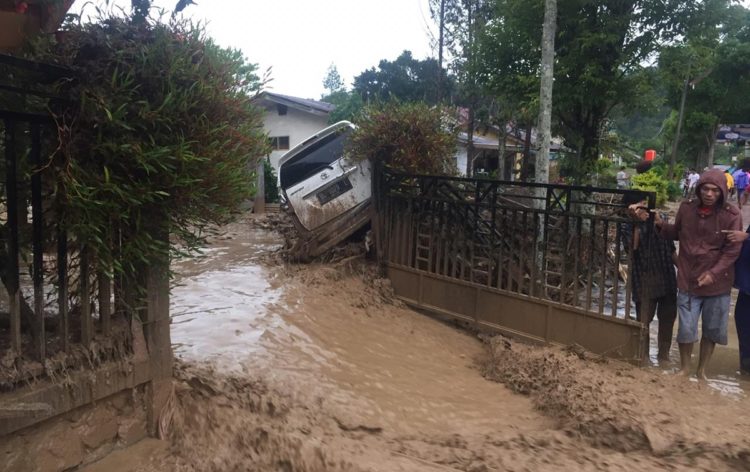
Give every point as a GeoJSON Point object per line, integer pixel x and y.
{"type": "Point", "coordinates": [440, 53]}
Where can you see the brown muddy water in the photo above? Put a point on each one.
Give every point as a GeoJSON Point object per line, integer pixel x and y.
{"type": "Point", "coordinates": [318, 367]}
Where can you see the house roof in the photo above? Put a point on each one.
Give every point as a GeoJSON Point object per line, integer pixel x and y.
{"type": "Point", "coordinates": [304, 104]}
{"type": "Point", "coordinates": [484, 142]}
{"type": "Point", "coordinates": [481, 142]}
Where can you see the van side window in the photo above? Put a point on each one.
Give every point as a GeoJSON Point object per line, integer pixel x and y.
{"type": "Point", "coordinates": [279, 143]}
{"type": "Point", "coordinates": [313, 159]}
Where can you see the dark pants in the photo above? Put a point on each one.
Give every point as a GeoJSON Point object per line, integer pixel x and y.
{"type": "Point", "coordinates": [666, 309]}
{"type": "Point", "coordinates": [742, 320]}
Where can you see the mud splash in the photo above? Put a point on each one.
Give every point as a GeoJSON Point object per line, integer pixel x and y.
{"type": "Point", "coordinates": [624, 408]}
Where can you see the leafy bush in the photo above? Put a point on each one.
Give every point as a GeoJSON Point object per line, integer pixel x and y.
{"type": "Point", "coordinates": [270, 182]}
{"type": "Point", "coordinates": [661, 168]}
{"type": "Point", "coordinates": [163, 133]}
{"type": "Point", "coordinates": [674, 192]}
{"type": "Point", "coordinates": [410, 137]}
{"type": "Point", "coordinates": [605, 174]}
{"type": "Point", "coordinates": [652, 182]}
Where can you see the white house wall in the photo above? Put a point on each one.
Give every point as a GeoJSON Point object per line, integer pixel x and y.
{"type": "Point", "coordinates": [461, 160]}
{"type": "Point", "coordinates": [296, 124]}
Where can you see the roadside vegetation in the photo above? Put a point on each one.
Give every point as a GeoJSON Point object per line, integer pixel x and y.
{"type": "Point", "coordinates": [161, 138]}
{"type": "Point", "coordinates": [621, 72]}
{"type": "Point", "coordinates": [410, 137]}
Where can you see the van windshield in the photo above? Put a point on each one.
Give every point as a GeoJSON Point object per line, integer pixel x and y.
{"type": "Point", "coordinates": [313, 159]}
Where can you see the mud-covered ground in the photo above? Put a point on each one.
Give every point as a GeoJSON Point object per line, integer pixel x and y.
{"type": "Point", "coordinates": [318, 368]}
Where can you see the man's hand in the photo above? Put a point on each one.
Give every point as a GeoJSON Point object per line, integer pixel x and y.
{"type": "Point", "coordinates": [736, 236]}
{"type": "Point", "coordinates": [638, 212]}
{"type": "Point", "coordinates": [705, 279]}
{"type": "Point", "coordinates": [657, 219]}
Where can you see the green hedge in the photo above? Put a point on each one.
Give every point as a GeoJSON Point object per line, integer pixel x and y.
{"type": "Point", "coordinates": [162, 133]}
{"type": "Point", "coordinates": [410, 137]}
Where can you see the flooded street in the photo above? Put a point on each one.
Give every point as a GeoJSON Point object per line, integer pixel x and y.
{"type": "Point", "coordinates": [317, 367]}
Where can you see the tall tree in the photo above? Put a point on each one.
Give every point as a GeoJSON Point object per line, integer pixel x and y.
{"type": "Point", "coordinates": [705, 74]}
{"type": "Point", "coordinates": [332, 81]}
{"type": "Point", "coordinates": [545, 91]}
{"type": "Point", "coordinates": [600, 47]}
{"type": "Point", "coordinates": [405, 78]}
{"type": "Point", "coordinates": [462, 22]}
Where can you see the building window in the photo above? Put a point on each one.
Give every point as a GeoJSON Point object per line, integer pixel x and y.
{"type": "Point", "coordinates": [279, 143]}
{"type": "Point", "coordinates": [281, 109]}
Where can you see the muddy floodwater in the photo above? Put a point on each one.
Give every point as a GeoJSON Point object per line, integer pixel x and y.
{"type": "Point", "coordinates": [318, 367]}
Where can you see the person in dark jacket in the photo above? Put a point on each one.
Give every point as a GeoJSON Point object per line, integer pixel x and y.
{"type": "Point", "coordinates": [654, 286]}
{"type": "Point", "coordinates": [742, 307]}
{"type": "Point", "coordinates": [705, 266]}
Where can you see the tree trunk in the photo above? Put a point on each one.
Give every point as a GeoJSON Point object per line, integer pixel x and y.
{"type": "Point", "coordinates": [440, 52]}
{"type": "Point", "coordinates": [712, 145]}
{"type": "Point", "coordinates": [588, 155]}
{"type": "Point", "coordinates": [470, 78]}
{"type": "Point", "coordinates": [680, 117]}
{"type": "Point", "coordinates": [541, 172]}
{"type": "Point", "coordinates": [470, 144]}
{"type": "Point", "coordinates": [501, 152]}
{"type": "Point", "coordinates": [526, 154]}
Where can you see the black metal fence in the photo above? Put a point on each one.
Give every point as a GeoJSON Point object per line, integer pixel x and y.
{"type": "Point", "coordinates": [558, 243]}
{"type": "Point", "coordinates": [56, 305]}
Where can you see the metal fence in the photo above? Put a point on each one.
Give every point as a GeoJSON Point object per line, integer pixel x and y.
{"type": "Point", "coordinates": [454, 244]}
{"type": "Point", "coordinates": [55, 305]}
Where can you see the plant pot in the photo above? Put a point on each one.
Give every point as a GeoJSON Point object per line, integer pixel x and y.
{"type": "Point", "coordinates": [12, 29]}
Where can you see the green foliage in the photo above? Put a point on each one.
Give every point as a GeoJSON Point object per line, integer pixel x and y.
{"type": "Point", "coordinates": [674, 192]}
{"type": "Point", "coordinates": [405, 79]}
{"type": "Point", "coordinates": [163, 136]}
{"type": "Point", "coordinates": [600, 51]}
{"type": "Point", "coordinates": [332, 81]}
{"type": "Point", "coordinates": [409, 137]}
{"type": "Point", "coordinates": [715, 60]}
{"type": "Point", "coordinates": [605, 173]}
{"type": "Point", "coordinates": [652, 182]}
{"type": "Point", "coordinates": [270, 182]}
{"type": "Point", "coordinates": [348, 106]}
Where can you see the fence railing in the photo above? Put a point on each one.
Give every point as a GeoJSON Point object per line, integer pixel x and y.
{"type": "Point", "coordinates": [58, 312]}
{"type": "Point", "coordinates": [557, 243]}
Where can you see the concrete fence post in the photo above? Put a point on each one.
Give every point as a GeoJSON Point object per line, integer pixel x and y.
{"type": "Point", "coordinates": [158, 337]}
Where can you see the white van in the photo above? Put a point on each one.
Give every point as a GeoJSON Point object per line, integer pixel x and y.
{"type": "Point", "coordinates": [327, 193]}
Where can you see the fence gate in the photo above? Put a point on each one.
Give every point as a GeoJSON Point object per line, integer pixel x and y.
{"type": "Point", "coordinates": [545, 263]}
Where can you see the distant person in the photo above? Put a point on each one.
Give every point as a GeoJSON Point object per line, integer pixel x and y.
{"type": "Point", "coordinates": [654, 283]}
{"type": "Point", "coordinates": [686, 184]}
{"type": "Point", "coordinates": [692, 181]}
{"type": "Point", "coordinates": [623, 179]}
{"type": "Point", "coordinates": [705, 266]}
{"type": "Point", "coordinates": [730, 183]}
{"type": "Point", "coordinates": [740, 184]}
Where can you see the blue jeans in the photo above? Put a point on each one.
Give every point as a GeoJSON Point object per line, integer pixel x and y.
{"type": "Point", "coordinates": [714, 311]}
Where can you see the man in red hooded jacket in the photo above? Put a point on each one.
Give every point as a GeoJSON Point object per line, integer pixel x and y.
{"type": "Point", "coordinates": [705, 266]}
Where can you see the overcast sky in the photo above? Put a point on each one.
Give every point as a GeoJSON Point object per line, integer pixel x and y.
{"type": "Point", "coordinates": [299, 39]}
